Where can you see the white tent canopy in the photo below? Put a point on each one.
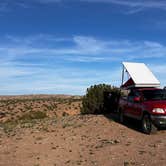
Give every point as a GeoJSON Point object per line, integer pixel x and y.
{"type": "Point", "coordinates": [141, 75]}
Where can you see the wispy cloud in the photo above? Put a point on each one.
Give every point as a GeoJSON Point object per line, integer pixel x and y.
{"type": "Point", "coordinates": [4, 7]}
{"type": "Point", "coordinates": [138, 5]}
{"type": "Point", "coordinates": [133, 6]}
{"type": "Point", "coordinates": [81, 46]}
{"type": "Point", "coordinates": [60, 79]}
{"type": "Point", "coordinates": [159, 70]}
{"type": "Point", "coordinates": [48, 1]}
{"type": "Point", "coordinates": [46, 63]}
{"type": "Point", "coordinates": [8, 5]}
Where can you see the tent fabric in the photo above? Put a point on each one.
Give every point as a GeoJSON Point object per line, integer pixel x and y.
{"type": "Point", "coordinates": [140, 76]}
{"type": "Point", "coordinates": [128, 83]}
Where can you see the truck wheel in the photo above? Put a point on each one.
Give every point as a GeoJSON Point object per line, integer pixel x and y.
{"type": "Point", "coordinates": [147, 125]}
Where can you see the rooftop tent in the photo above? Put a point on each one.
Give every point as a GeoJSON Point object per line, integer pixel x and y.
{"type": "Point", "coordinates": [140, 76]}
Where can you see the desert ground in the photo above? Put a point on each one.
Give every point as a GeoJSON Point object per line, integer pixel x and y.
{"type": "Point", "coordinates": [48, 130]}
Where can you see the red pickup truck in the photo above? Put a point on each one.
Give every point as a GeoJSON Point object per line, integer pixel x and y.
{"type": "Point", "coordinates": [147, 105]}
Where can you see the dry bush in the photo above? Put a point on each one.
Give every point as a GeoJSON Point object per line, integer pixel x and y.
{"type": "Point", "coordinates": [33, 115]}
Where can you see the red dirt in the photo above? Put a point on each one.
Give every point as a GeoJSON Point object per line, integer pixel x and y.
{"type": "Point", "coordinates": [81, 140]}
{"type": "Point", "coordinates": [88, 140]}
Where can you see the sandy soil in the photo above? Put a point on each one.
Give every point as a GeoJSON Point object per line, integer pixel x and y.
{"type": "Point", "coordinates": [88, 140]}
{"type": "Point", "coordinates": [13, 107]}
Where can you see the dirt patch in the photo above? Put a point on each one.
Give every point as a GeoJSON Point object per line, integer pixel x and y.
{"type": "Point", "coordinates": [14, 107]}
{"type": "Point", "coordinates": [80, 140]}
{"type": "Point", "coordinates": [69, 139]}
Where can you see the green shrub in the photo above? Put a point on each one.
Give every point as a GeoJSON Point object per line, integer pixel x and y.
{"type": "Point", "coordinates": [99, 99]}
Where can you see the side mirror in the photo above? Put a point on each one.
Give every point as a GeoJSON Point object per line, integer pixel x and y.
{"type": "Point", "coordinates": [137, 99]}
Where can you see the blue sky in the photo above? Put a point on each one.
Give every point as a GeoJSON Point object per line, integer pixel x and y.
{"type": "Point", "coordinates": [64, 46]}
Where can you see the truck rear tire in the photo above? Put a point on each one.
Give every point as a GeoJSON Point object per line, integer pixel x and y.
{"type": "Point", "coordinates": [147, 125]}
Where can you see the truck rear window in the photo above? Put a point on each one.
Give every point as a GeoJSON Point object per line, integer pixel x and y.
{"type": "Point", "coordinates": [159, 94]}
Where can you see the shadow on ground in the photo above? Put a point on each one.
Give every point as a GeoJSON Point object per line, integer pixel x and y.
{"type": "Point", "coordinates": [130, 123]}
